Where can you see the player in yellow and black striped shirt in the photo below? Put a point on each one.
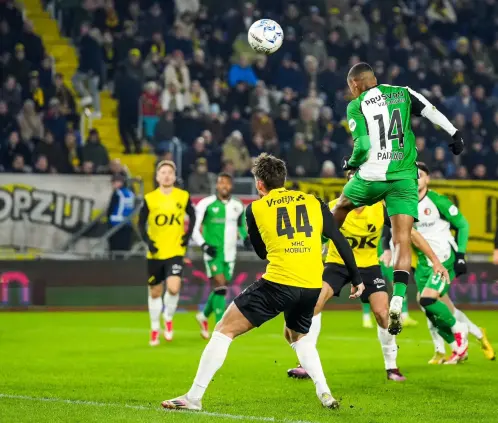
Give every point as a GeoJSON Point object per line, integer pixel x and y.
{"type": "Point", "coordinates": [285, 228]}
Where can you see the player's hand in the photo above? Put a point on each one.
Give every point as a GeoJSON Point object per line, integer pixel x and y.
{"type": "Point", "coordinates": [247, 244]}
{"type": "Point", "coordinates": [345, 163]}
{"type": "Point", "coordinates": [209, 250]}
{"type": "Point", "coordinates": [356, 291]}
{"type": "Point", "coordinates": [495, 257]}
{"type": "Point", "coordinates": [440, 270]}
{"type": "Point", "coordinates": [151, 245]}
{"type": "Point", "coordinates": [386, 258]}
{"type": "Point", "coordinates": [460, 264]}
{"type": "Point", "coordinates": [456, 146]}
{"type": "Point", "coordinates": [185, 239]}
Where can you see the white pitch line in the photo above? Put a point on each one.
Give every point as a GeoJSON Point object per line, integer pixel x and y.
{"type": "Point", "coordinates": [276, 335]}
{"type": "Point", "coordinates": [143, 407]}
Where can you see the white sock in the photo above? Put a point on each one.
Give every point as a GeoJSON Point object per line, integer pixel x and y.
{"type": "Point", "coordinates": [155, 308]}
{"type": "Point", "coordinates": [389, 348]}
{"type": "Point", "coordinates": [437, 340]}
{"type": "Point", "coordinates": [310, 361]}
{"type": "Point", "coordinates": [212, 359]}
{"type": "Point", "coordinates": [473, 328]}
{"type": "Point", "coordinates": [170, 304]}
{"type": "Point", "coordinates": [316, 326]}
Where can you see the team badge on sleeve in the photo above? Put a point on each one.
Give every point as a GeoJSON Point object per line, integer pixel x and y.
{"type": "Point", "coordinates": [352, 125]}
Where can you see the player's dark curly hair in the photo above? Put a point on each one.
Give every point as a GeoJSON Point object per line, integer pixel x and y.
{"type": "Point", "coordinates": [270, 170]}
{"type": "Point", "coordinates": [423, 167]}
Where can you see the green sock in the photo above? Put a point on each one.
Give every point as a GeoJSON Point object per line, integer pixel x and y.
{"type": "Point", "coordinates": [405, 305]}
{"type": "Point", "coordinates": [445, 332]}
{"type": "Point", "coordinates": [399, 289]}
{"type": "Point", "coordinates": [208, 308]}
{"type": "Point", "coordinates": [219, 305]}
{"type": "Point", "coordinates": [366, 308]}
{"type": "Point", "coordinates": [443, 319]}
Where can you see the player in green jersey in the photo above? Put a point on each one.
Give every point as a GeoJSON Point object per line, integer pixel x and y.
{"type": "Point", "coordinates": [221, 220]}
{"type": "Point", "coordinates": [384, 153]}
{"type": "Point", "coordinates": [437, 216]}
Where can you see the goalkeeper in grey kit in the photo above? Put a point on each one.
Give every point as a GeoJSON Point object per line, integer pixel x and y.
{"type": "Point", "coordinates": [220, 221]}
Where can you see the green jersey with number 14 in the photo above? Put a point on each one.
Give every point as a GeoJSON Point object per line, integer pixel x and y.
{"type": "Point", "coordinates": [384, 143]}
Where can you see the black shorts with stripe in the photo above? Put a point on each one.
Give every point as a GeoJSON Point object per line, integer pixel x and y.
{"type": "Point", "coordinates": [159, 270]}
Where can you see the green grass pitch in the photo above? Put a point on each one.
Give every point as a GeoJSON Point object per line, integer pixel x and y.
{"type": "Point", "coordinates": [98, 367]}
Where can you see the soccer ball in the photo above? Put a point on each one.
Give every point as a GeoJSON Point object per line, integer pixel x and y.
{"type": "Point", "coordinates": [265, 36]}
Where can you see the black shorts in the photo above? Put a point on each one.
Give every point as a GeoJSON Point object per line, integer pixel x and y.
{"type": "Point", "coordinates": [160, 270]}
{"type": "Point", "coordinates": [337, 276]}
{"type": "Point", "coordinates": [264, 300]}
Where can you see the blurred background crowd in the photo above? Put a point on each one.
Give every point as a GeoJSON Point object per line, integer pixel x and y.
{"type": "Point", "coordinates": [182, 70]}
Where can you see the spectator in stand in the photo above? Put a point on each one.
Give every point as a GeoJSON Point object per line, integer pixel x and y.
{"type": "Point", "coordinates": [262, 123]}
{"type": "Point", "coordinates": [284, 126]}
{"type": "Point", "coordinates": [129, 84]}
{"type": "Point", "coordinates": [301, 160]}
{"type": "Point", "coordinates": [42, 167]}
{"type": "Point", "coordinates": [177, 73]}
{"type": "Point", "coordinates": [106, 18]}
{"type": "Point", "coordinates": [151, 108]}
{"type": "Point", "coordinates": [484, 105]}
{"type": "Point", "coordinates": [289, 98]}
{"type": "Point", "coordinates": [462, 173]}
{"type": "Point", "coordinates": [172, 99]}
{"type": "Point", "coordinates": [462, 103]}
{"type": "Point", "coordinates": [336, 48]}
{"type": "Point", "coordinates": [48, 148]}
{"type": "Point", "coordinates": [19, 165]}
{"type": "Point", "coordinates": [36, 93]}
{"type": "Point", "coordinates": [261, 98]}
{"type": "Point", "coordinates": [312, 102]}
{"type": "Point", "coordinates": [308, 126]}
{"type": "Point", "coordinates": [492, 160]}
{"type": "Point", "coordinates": [180, 40]}
{"type": "Point", "coordinates": [87, 78]}
{"type": "Point", "coordinates": [235, 150]}
{"type": "Point", "coordinates": [442, 164]}
{"type": "Point", "coordinates": [326, 151]}
{"type": "Point", "coordinates": [312, 46]}
{"type": "Point", "coordinates": [109, 55]}
{"type": "Point", "coordinates": [46, 74]}
{"type": "Point", "coordinates": [328, 170]}
{"type": "Point", "coordinates": [153, 65]}
{"type": "Point", "coordinates": [326, 122]}
{"type": "Point", "coordinates": [314, 23]}
{"type": "Point", "coordinates": [30, 122]}
{"type": "Point", "coordinates": [55, 121]}
{"type": "Point", "coordinates": [154, 21]}
{"type": "Point", "coordinates": [197, 151]}
{"type": "Point", "coordinates": [218, 46]}
{"type": "Point", "coordinates": [127, 42]}
{"type": "Point", "coordinates": [11, 93]}
{"type": "Point", "coordinates": [423, 154]}
{"type": "Point", "coordinates": [94, 151]}
{"type": "Point", "coordinates": [18, 66]}
{"type": "Point", "coordinates": [197, 98]}
{"type": "Point", "coordinates": [242, 72]}
{"type": "Point", "coordinates": [310, 73]}
{"type": "Point", "coordinates": [480, 172]}
{"type": "Point", "coordinates": [257, 146]}
{"type": "Point", "coordinates": [236, 122]}
{"type": "Point", "coordinates": [289, 75]}
{"type": "Point", "coordinates": [329, 80]}
{"type": "Point", "coordinates": [215, 122]}
{"type": "Point", "coordinates": [200, 180]}
{"type": "Point", "coordinates": [229, 167]}
{"type": "Point", "coordinates": [66, 99]}
{"type": "Point", "coordinates": [199, 69]}
{"type": "Point", "coordinates": [72, 155]}
{"type": "Point", "coordinates": [15, 147]}
{"type": "Point", "coordinates": [8, 123]}
{"type": "Point", "coordinates": [164, 133]}
{"type": "Point", "coordinates": [356, 25]}
{"type": "Point", "coordinates": [262, 69]}
{"type": "Point", "coordinates": [239, 97]}
{"type": "Point", "coordinates": [88, 168]}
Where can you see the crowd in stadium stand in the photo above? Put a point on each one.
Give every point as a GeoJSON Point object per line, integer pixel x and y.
{"type": "Point", "coordinates": [183, 70]}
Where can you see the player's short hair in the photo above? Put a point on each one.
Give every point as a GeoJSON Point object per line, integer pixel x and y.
{"type": "Point", "coordinates": [423, 167]}
{"type": "Point", "coordinates": [358, 69]}
{"type": "Point", "coordinates": [270, 170]}
{"type": "Point", "coordinates": [163, 163]}
{"type": "Point", "coordinates": [225, 175]}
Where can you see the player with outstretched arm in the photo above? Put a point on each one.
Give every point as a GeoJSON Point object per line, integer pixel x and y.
{"type": "Point", "coordinates": [384, 153]}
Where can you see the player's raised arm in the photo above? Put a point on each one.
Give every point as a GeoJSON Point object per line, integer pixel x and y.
{"type": "Point", "coordinates": [254, 235]}
{"type": "Point", "coordinates": [332, 232]}
{"type": "Point", "coordinates": [359, 132]}
{"type": "Point", "coordinates": [423, 107]}
{"type": "Point", "coordinates": [142, 227]}
{"type": "Point", "coordinates": [190, 211]}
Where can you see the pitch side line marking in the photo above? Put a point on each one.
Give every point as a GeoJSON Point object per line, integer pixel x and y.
{"type": "Point", "coordinates": [143, 407]}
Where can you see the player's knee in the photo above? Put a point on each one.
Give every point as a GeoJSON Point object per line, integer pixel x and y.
{"type": "Point", "coordinates": [221, 290]}
{"type": "Point", "coordinates": [156, 291]}
{"type": "Point", "coordinates": [382, 317]}
{"type": "Point", "coordinates": [343, 203]}
{"type": "Point", "coordinates": [427, 301]}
